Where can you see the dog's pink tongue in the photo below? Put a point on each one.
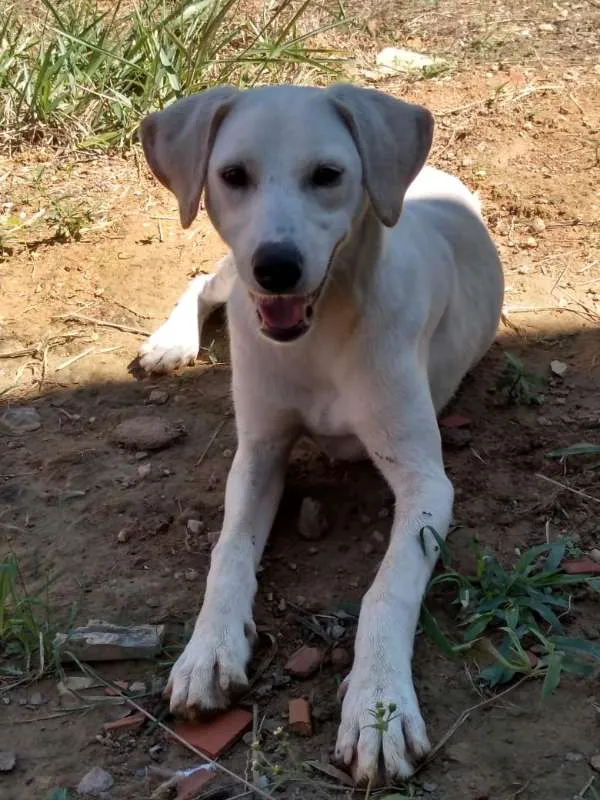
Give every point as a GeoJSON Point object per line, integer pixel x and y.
{"type": "Point", "coordinates": [281, 312]}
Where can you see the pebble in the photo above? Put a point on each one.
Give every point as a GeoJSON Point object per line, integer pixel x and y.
{"type": "Point", "coordinates": [531, 242]}
{"type": "Point", "coordinates": [144, 469]}
{"type": "Point", "coordinates": [595, 762]}
{"type": "Point", "coordinates": [227, 453]}
{"type": "Point", "coordinates": [312, 523]}
{"type": "Point", "coordinates": [36, 699]}
{"type": "Point", "coordinates": [304, 662]}
{"type": "Point", "coordinates": [429, 787]}
{"type": "Point", "coordinates": [337, 631]}
{"type": "Point", "coordinates": [524, 270]}
{"type": "Point", "coordinates": [23, 419]}
{"type": "Point", "coordinates": [7, 761]}
{"type": "Point", "coordinates": [95, 783]}
{"type": "Point", "coordinates": [340, 658]}
{"type": "Point", "coordinates": [195, 526]}
{"type": "Point", "coordinates": [538, 225]}
{"type": "Point", "coordinates": [574, 757]}
{"type": "Point", "coordinates": [595, 555]}
{"type": "Point", "coordinates": [123, 535]}
{"type": "Point", "coordinates": [137, 687]}
{"type": "Point", "coordinates": [378, 537]}
{"type": "Point", "coordinates": [383, 513]}
{"type": "Point", "coordinates": [191, 575]}
{"type": "Point", "coordinates": [147, 433]}
{"type": "Point", "coordinates": [158, 397]}
{"type": "Point", "coordinates": [368, 548]}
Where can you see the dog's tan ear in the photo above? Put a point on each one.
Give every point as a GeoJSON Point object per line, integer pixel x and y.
{"type": "Point", "coordinates": [393, 139]}
{"type": "Point", "coordinates": [177, 143]}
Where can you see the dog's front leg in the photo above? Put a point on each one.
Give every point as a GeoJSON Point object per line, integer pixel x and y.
{"type": "Point", "coordinates": [213, 665]}
{"type": "Point", "coordinates": [403, 439]}
{"type": "Point", "coordinates": [177, 342]}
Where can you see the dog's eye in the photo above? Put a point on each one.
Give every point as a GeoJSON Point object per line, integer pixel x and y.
{"type": "Point", "coordinates": [324, 176]}
{"type": "Point", "coordinates": [235, 177]}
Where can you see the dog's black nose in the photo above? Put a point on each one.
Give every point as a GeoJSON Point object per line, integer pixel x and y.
{"type": "Point", "coordinates": [277, 266]}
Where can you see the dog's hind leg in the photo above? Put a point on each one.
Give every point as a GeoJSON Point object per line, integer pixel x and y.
{"type": "Point", "coordinates": [177, 342]}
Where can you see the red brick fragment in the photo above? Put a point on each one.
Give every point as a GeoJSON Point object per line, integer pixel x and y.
{"type": "Point", "coordinates": [299, 716]}
{"type": "Point", "coordinates": [212, 737]}
{"type": "Point", "coordinates": [190, 787]}
{"type": "Point", "coordinates": [581, 566]}
{"type": "Point", "coordinates": [129, 723]}
{"type": "Point", "coordinates": [304, 662]}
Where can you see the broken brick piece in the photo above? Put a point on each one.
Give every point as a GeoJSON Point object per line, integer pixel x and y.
{"type": "Point", "coordinates": [299, 716]}
{"type": "Point", "coordinates": [454, 421]}
{"type": "Point", "coordinates": [190, 787]}
{"type": "Point", "coordinates": [304, 662]}
{"type": "Point", "coordinates": [129, 723]}
{"type": "Point", "coordinates": [214, 736]}
{"type": "Point", "coordinates": [582, 566]}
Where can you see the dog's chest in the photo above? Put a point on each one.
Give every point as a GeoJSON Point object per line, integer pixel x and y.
{"type": "Point", "coordinates": [325, 413]}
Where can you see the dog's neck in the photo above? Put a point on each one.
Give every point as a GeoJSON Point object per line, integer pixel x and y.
{"type": "Point", "coordinates": [352, 271]}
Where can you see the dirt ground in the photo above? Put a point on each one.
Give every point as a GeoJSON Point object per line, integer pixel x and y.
{"type": "Point", "coordinates": [518, 118]}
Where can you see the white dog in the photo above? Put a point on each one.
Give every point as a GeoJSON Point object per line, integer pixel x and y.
{"type": "Point", "coordinates": [361, 287]}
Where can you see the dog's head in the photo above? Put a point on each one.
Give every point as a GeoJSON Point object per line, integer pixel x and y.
{"type": "Point", "coordinates": [286, 171]}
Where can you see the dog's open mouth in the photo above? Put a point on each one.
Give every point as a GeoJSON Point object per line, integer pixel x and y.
{"type": "Point", "coordinates": [284, 318]}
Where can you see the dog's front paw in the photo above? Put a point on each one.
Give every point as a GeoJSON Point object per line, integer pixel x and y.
{"type": "Point", "coordinates": [380, 715]}
{"type": "Point", "coordinates": [170, 347]}
{"type": "Point", "coordinates": [212, 667]}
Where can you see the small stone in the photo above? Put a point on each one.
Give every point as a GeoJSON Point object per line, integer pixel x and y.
{"type": "Point", "coordinates": [467, 161]}
{"type": "Point", "coordinates": [524, 270]}
{"type": "Point", "coordinates": [227, 453]}
{"type": "Point", "coordinates": [574, 757]}
{"type": "Point", "coordinates": [5, 700]}
{"type": "Point", "coordinates": [282, 605]}
{"type": "Point", "coordinates": [538, 225]}
{"type": "Point", "coordinates": [102, 641]}
{"type": "Point", "coordinates": [153, 602]}
{"type": "Point", "coordinates": [158, 397]}
{"type": "Point", "coordinates": [147, 433]}
{"type": "Point", "coordinates": [312, 523]}
{"type": "Point", "coordinates": [547, 27]}
{"type": "Point", "coordinates": [531, 242]}
{"type": "Point", "coordinates": [558, 368]}
{"type": "Point", "coordinates": [123, 535]}
{"type": "Point", "coordinates": [378, 537]}
{"type": "Point", "coordinates": [394, 60]}
{"type": "Point", "coordinates": [595, 555]}
{"type": "Point", "coordinates": [95, 783]}
{"type": "Point", "coordinates": [8, 761]}
{"type": "Point", "coordinates": [144, 469]}
{"type": "Point", "coordinates": [36, 699]}
{"type": "Point", "coordinates": [195, 526]}
{"type": "Point", "coordinates": [368, 548]}
{"type": "Point", "coordinates": [337, 631]}
{"type": "Point", "coordinates": [429, 787]}
{"type": "Point", "coordinates": [23, 419]}
{"type": "Point", "coordinates": [304, 662]}
{"type": "Point", "coordinates": [191, 575]}
{"type": "Point", "coordinates": [340, 658]}
{"type": "Point", "coordinates": [137, 687]}
{"type": "Point", "coordinates": [155, 751]}
{"type": "Point", "coordinates": [595, 762]}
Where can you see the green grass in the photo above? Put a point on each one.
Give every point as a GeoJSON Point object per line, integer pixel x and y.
{"type": "Point", "coordinates": [27, 626]}
{"type": "Point", "coordinates": [507, 612]}
{"type": "Point", "coordinates": [85, 73]}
